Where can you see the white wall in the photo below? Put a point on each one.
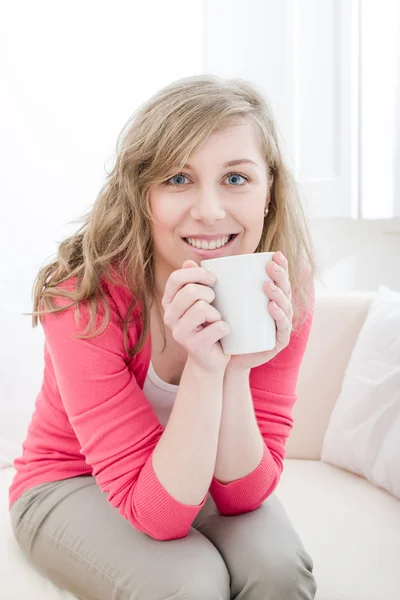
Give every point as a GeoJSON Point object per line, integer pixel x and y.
{"type": "Point", "coordinates": [71, 75]}
{"type": "Point", "coordinates": [357, 255]}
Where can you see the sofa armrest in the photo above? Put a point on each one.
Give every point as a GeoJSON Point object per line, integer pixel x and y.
{"type": "Point", "coordinates": [338, 319]}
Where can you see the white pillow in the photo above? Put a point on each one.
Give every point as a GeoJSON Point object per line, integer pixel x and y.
{"type": "Point", "coordinates": [363, 435]}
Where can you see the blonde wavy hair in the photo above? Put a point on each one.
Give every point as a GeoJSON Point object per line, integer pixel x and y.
{"type": "Point", "coordinates": [114, 240]}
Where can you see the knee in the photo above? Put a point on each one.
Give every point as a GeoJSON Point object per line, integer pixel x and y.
{"type": "Point", "coordinates": [209, 580]}
{"type": "Point", "coordinates": [200, 575]}
{"type": "Point", "coordinates": [293, 577]}
{"type": "Point", "coordinates": [286, 575]}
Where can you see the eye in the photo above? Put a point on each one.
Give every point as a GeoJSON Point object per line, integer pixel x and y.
{"type": "Point", "coordinates": [180, 177]}
{"type": "Point", "coordinates": [236, 175]}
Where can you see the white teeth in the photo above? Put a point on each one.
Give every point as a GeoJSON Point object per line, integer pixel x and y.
{"type": "Point", "coordinates": [211, 245]}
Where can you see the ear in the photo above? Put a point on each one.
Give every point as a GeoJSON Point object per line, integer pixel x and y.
{"type": "Point", "coordinates": [268, 200]}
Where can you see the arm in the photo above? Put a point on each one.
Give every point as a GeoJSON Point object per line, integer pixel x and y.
{"type": "Point", "coordinates": [118, 430]}
{"type": "Point", "coordinates": [184, 458]}
{"type": "Point", "coordinates": [240, 445]}
{"type": "Point", "coordinates": [245, 476]}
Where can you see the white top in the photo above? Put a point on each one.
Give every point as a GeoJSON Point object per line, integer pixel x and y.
{"type": "Point", "coordinates": [160, 394]}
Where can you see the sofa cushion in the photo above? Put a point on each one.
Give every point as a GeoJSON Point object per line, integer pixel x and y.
{"type": "Point", "coordinates": [19, 578]}
{"type": "Point", "coordinates": [363, 435]}
{"type": "Point", "coordinates": [338, 319]}
{"type": "Point", "coordinates": [349, 527]}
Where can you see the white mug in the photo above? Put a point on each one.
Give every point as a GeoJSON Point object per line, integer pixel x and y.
{"type": "Point", "coordinates": [242, 301]}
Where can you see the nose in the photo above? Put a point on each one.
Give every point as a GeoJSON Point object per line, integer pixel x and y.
{"type": "Point", "coordinates": [207, 207]}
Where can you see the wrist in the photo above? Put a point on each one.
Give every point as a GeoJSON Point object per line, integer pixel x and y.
{"type": "Point", "coordinates": [237, 372]}
{"type": "Point", "coordinates": [202, 372]}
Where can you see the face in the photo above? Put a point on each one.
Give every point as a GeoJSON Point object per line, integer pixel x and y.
{"type": "Point", "coordinates": [198, 208]}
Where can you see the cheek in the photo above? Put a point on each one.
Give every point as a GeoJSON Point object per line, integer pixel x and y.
{"type": "Point", "coordinates": [165, 213]}
{"type": "Point", "coordinates": [253, 224]}
{"type": "Point", "coordinates": [165, 227]}
{"type": "Point", "coordinates": [253, 221]}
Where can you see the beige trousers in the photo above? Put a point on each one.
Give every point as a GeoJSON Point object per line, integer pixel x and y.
{"type": "Point", "coordinates": [74, 536]}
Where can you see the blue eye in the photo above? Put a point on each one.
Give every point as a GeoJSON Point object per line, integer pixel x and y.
{"type": "Point", "coordinates": [236, 175]}
{"type": "Point", "coordinates": [182, 176]}
{"type": "Point", "coordinates": [179, 175]}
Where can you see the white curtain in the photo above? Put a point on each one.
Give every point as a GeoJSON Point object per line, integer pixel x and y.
{"type": "Point", "coordinates": [396, 150]}
{"type": "Point", "coordinates": [379, 109]}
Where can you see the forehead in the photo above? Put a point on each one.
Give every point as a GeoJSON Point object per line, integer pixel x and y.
{"type": "Point", "coordinates": [232, 143]}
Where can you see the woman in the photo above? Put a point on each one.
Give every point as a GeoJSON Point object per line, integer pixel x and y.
{"type": "Point", "coordinates": [144, 431]}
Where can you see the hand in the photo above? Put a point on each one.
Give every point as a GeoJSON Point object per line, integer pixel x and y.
{"type": "Point", "coordinates": [195, 324]}
{"type": "Point", "coordinates": [280, 307]}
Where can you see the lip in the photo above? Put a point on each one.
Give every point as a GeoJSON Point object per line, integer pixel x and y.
{"type": "Point", "coordinates": [210, 253]}
{"type": "Point", "coordinates": [213, 236]}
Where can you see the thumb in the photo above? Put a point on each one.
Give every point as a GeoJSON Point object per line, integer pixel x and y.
{"type": "Point", "coordinates": [188, 264]}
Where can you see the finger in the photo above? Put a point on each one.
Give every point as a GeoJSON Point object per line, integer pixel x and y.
{"type": "Point", "coordinates": [208, 337]}
{"type": "Point", "coordinates": [192, 321]}
{"type": "Point", "coordinates": [280, 277]}
{"type": "Point", "coordinates": [283, 325]}
{"type": "Point", "coordinates": [179, 278]}
{"type": "Point", "coordinates": [277, 295]}
{"type": "Point", "coordinates": [189, 264]}
{"type": "Point", "coordinates": [281, 259]}
{"type": "Point", "coordinates": [184, 299]}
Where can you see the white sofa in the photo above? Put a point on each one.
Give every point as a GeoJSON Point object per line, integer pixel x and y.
{"type": "Point", "coordinates": [350, 528]}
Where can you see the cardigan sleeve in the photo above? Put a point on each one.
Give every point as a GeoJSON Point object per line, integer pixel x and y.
{"type": "Point", "coordinates": [273, 390]}
{"type": "Point", "coordinates": [114, 423]}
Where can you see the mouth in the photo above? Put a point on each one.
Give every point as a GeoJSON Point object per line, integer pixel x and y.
{"type": "Point", "coordinates": [209, 248]}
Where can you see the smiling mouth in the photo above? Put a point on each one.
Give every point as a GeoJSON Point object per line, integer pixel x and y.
{"type": "Point", "coordinates": [210, 244]}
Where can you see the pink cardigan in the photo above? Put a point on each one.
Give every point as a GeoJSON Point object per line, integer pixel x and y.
{"type": "Point", "coordinates": [92, 417]}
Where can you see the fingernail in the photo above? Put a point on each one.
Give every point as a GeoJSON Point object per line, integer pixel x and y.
{"type": "Point", "coordinates": [212, 277]}
{"type": "Point", "coordinates": [277, 268]}
{"type": "Point", "coordinates": [272, 287]}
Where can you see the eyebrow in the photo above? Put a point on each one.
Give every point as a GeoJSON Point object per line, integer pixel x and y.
{"type": "Point", "coordinates": [230, 163]}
